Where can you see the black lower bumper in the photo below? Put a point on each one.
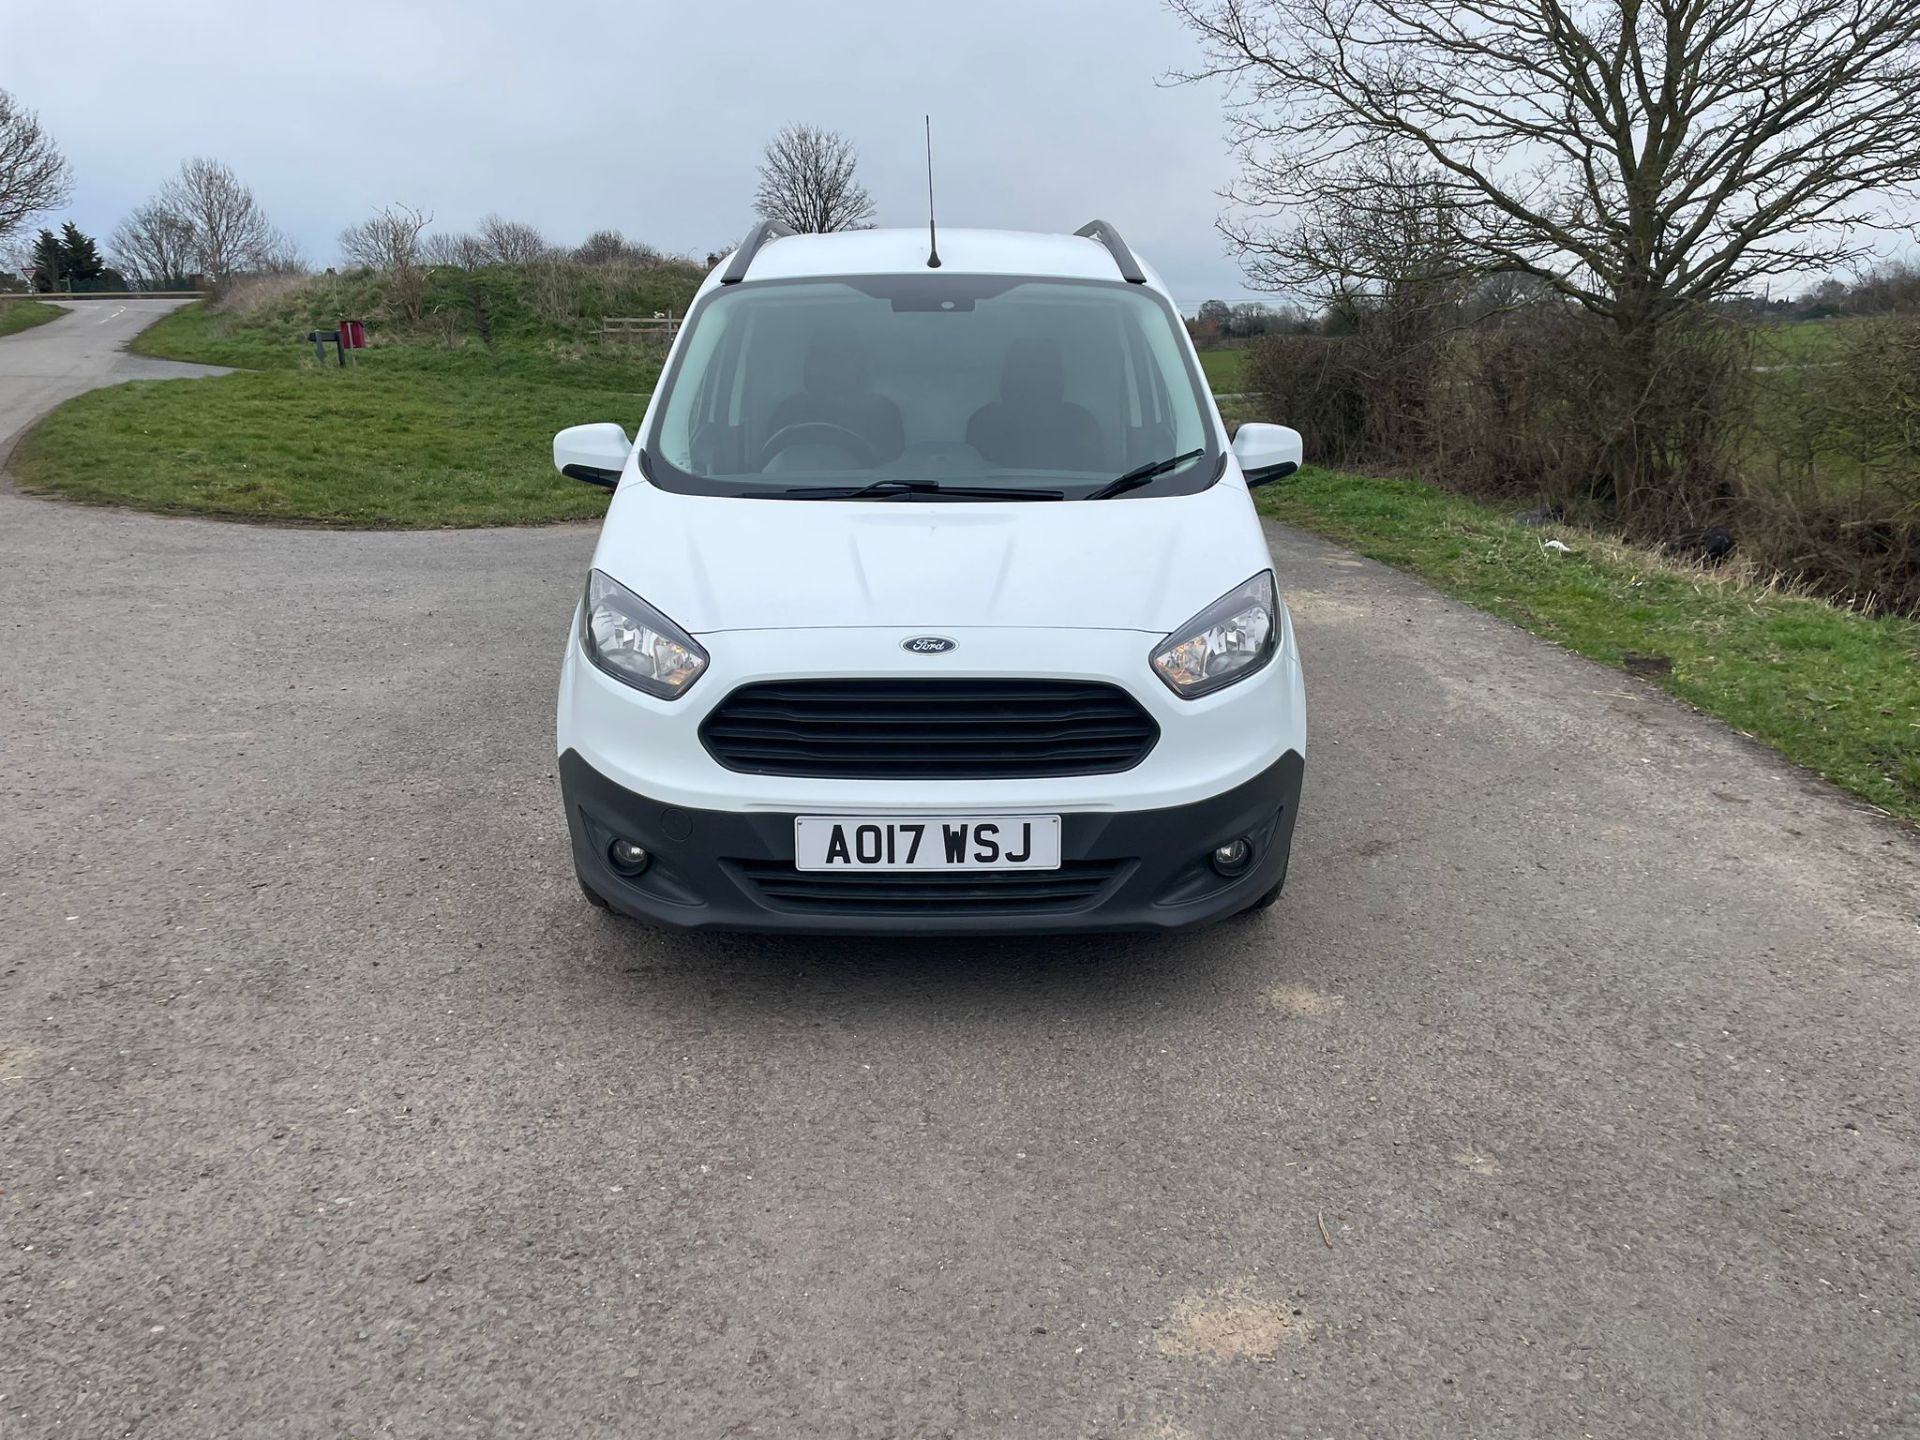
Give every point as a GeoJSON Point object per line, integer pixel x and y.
{"type": "Point", "coordinates": [1139, 870]}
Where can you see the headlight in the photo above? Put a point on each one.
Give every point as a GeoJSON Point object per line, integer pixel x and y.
{"type": "Point", "coordinates": [1227, 641]}
{"type": "Point", "coordinates": [635, 643]}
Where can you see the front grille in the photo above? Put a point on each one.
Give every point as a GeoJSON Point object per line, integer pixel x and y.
{"type": "Point", "coordinates": [929, 729]}
{"type": "Point", "coordinates": [929, 892]}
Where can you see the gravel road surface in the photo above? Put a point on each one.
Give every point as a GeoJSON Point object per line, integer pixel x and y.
{"type": "Point", "coordinates": [1570, 1090]}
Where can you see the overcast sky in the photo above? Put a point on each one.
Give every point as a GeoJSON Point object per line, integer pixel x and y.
{"type": "Point", "coordinates": [647, 117]}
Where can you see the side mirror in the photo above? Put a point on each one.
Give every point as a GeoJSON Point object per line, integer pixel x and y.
{"type": "Point", "coordinates": [593, 453]}
{"type": "Point", "coordinates": [1267, 452]}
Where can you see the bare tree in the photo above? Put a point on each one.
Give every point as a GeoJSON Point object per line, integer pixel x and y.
{"type": "Point", "coordinates": [464, 251]}
{"type": "Point", "coordinates": [511, 242]}
{"type": "Point", "coordinates": [1887, 289]}
{"type": "Point", "coordinates": [34, 176]}
{"type": "Point", "coordinates": [282, 256]}
{"type": "Point", "coordinates": [389, 239]}
{"type": "Point", "coordinates": [16, 263]}
{"type": "Point", "coordinates": [807, 181]}
{"type": "Point", "coordinates": [154, 245]}
{"type": "Point", "coordinates": [230, 230]}
{"type": "Point", "coordinates": [1396, 254]}
{"type": "Point", "coordinates": [1640, 157]}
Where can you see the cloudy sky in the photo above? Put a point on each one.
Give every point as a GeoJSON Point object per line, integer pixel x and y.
{"type": "Point", "coordinates": [648, 116]}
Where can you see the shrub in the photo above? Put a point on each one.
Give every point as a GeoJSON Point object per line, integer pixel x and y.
{"type": "Point", "coordinates": [610, 247]}
{"type": "Point", "coordinates": [1868, 400]}
{"type": "Point", "coordinates": [1838, 504]}
{"type": "Point", "coordinates": [1498, 421]}
{"type": "Point", "coordinates": [1314, 384]}
{"type": "Point", "coordinates": [1862, 549]}
{"type": "Point", "coordinates": [1360, 396]}
{"type": "Point", "coordinates": [1542, 401]}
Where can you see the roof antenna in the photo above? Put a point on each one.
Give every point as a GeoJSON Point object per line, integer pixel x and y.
{"type": "Point", "coordinates": [933, 239]}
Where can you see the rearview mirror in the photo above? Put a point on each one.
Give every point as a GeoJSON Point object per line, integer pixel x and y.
{"type": "Point", "coordinates": [1267, 452]}
{"type": "Point", "coordinates": [593, 453]}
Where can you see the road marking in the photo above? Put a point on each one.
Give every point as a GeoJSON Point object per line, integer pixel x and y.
{"type": "Point", "coordinates": [114, 316]}
{"type": "Point", "coordinates": [14, 1062]}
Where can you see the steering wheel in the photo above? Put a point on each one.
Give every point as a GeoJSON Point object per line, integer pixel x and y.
{"type": "Point", "coordinates": [787, 436]}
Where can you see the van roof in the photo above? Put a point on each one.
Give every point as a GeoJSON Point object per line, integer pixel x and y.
{"type": "Point", "coordinates": [964, 252]}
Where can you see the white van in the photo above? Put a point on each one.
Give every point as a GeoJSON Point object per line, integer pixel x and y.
{"type": "Point", "coordinates": [931, 598]}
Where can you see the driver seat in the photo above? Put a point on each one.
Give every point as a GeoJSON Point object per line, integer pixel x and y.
{"type": "Point", "coordinates": [1033, 426]}
{"type": "Point", "coordinates": [834, 392]}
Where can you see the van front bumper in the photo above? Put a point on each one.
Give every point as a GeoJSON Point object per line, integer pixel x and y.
{"type": "Point", "coordinates": [1120, 869]}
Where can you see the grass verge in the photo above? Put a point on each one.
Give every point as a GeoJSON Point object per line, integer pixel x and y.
{"type": "Point", "coordinates": [18, 315]}
{"type": "Point", "coordinates": [1832, 690]}
{"type": "Point", "coordinates": [441, 423]}
{"type": "Point", "coordinates": [354, 448]}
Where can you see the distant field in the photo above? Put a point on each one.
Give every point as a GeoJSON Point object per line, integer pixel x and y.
{"type": "Point", "coordinates": [1802, 342]}
{"type": "Point", "coordinates": [18, 315]}
{"type": "Point", "coordinates": [1225, 370]}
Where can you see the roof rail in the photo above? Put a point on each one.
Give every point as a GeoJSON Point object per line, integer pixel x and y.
{"type": "Point", "coordinates": [1100, 230]}
{"type": "Point", "coordinates": [743, 257]}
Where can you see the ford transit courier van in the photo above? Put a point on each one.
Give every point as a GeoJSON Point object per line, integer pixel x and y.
{"type": "Point", "coordinates": [931, 598]}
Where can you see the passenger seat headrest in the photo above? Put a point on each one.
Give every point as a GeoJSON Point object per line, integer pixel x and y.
{"type": "Point", "coordinates": [1033, 374]}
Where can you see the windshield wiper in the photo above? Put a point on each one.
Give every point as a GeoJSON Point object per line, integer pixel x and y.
{"type": "Point", "coordinates": [1140, 475]}
{"type": "Point", "coordinates": [880, 489]}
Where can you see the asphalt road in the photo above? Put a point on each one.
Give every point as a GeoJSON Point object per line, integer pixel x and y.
{"type": "Point", "coordinates": [81, 350]}
{"type": "Point", "coordinates": [1586, 1030]}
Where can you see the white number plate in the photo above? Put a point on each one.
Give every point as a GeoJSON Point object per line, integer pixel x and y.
{"type": "Point", "coordinates": [926, 842]}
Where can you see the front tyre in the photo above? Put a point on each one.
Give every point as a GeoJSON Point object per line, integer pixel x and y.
{"type": "Point", "coordinates": [1265, 902]}
{"type": "Point", "coordinates": [594, 897]}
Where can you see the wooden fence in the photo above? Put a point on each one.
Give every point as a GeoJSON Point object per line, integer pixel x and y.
{"type": "Point", "coordinates": [639, 327]}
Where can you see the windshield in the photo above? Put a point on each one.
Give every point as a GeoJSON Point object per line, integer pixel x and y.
{"type": "Point", "coordinates": [931, 387]}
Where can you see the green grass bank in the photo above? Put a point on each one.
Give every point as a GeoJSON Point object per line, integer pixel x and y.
{"type": "Point", "coordinates": [353, 450]}
{"type": "Point", "coordinates": [18, 315]}
{"type": "Point", "coordinates": [443, 421]}
{"type": "Point", "coordinates": [1833, 690]}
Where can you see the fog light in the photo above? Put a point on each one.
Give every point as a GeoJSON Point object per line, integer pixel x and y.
{"type": "Point", "coordinates": [627, 857]}
{"type": "Point", "coordinates": [1233, 857]}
